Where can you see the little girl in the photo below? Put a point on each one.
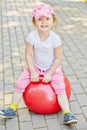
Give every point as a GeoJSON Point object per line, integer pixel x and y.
{"type": "Point", "coordinates": [43, 54]}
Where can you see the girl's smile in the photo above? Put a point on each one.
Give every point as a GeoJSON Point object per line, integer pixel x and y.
{"type": "Point", "coordinates": [44, 23]}
{"type": "Point", "coordinates": [44, 26]}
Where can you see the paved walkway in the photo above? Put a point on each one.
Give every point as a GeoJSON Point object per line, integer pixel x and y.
{"type": "Point", "coordinates": [15, 23]}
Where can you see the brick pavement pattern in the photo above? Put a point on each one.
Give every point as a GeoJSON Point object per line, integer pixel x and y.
{"type": "Point", "coordinates": [15, 23]}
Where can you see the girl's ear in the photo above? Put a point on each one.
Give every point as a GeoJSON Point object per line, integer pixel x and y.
{"type": "Point", "coordinates": [33, 21]}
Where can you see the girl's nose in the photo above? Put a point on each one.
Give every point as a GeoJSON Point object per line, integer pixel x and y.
{"type": "Point", "coordinates": [43, 20]}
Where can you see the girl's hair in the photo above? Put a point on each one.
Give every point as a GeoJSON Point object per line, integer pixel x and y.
{"type": "Point", "coordinates": [54, 20]}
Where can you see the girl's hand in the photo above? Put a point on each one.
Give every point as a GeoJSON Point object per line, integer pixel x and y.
{"type": "Point", "coordinates": [47, 78]}
{"type": "Point", "coordinates": [34, 77]}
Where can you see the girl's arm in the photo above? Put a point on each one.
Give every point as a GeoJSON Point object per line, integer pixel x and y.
{"type": "Point", "coordinates": [58, 59]}
{"type": "Point", "coordinates": [29, 61]}
{"type": "Point", "coordinates": [57, 62]}
{"type": "Point", "coordinates": [28, 56]}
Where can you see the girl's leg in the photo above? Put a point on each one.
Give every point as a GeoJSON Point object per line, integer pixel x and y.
{"type": "Point", "coordinates": [63, 102]}
{"type": "Point", "coordinates": [59, 88]}
{"type": "Point", "coordinates": [17, 96]}
{"type": "Point", "coordinates": [20, 86]}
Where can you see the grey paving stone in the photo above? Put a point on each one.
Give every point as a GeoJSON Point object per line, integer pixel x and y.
{"type": "Point", "coordinates": [2, 127]}
{"type": "Point", "coordinates": [68, 71]}
{"type": "Point", "coordinates": [73, 79]}
{"type": "Point", "coordinates": [53, 115]}
{"type": "Point", "coordinates": [2, 122]}
{"type": "Point", "coordinates": [84, 109]}
{"type": "Point", "coordinates": [77, 88]}
{"type": "Point", "coordinates": [12, 124]}
{"type": "Point", "coordinates": [80, 74]}
{"type": "Point", "coordinates": [9, 79]}
{"type": "Point", "coordinates": [8, 98]}
{"type": "Point", "coordinates": [60, 117]}
{"type": "Point", "coordinates": [68, 127]}
{"type": "Point", "coordinates": [8, 71]}
{"type": "Point", "coordinates": [26, 126]}
{"type": "Point", "coordinates": [9, 88]}
{"type": "Point", "coordinates": [24, 115]}
{"type": "Point", "coordinates": [76, 67]}
{"type": "Point", "coordinates": [75, 108]}
{"type": "Point", "coordinates": [41, 129]}
{"type": "Point", "coordinates": [1, 94]}
{"type": "Point", "coordinates": [83, 82]}
{"type": "Point", "coordinates": [82, 124]}
{"type": "Point", "coordinates": [53, 124]}
{"type": "Point", "coordinates": [82, 99]}
{"type": "Point", "coordinates": [38, 121]}
{"type": "Point", "coordinates": [82, 129]}
{"type": "Point", "coordinates": [1, 104]}
{"type": "Point", "coordinates": [1, 85]}
{"type": "Point", "coordinates": [72, 96]}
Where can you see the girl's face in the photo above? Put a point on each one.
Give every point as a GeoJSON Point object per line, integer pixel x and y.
{"type": "Point", "coordinates": [44, 24]}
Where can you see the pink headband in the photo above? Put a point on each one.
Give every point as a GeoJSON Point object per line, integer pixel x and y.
{"type": "Point", "coordinates": [43, 10]}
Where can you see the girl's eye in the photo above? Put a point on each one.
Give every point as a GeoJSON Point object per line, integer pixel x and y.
{"type": "Point", "coordinates": [47, 18]}
{"type": "Point", "coordinates": [39, 19]}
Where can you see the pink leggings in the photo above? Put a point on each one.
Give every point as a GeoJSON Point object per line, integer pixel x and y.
{"type": "Point", "coordinates": [57, 80]}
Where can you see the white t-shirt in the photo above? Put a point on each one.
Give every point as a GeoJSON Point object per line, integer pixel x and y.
{"type": "Point", "coordinates": [43, 50]}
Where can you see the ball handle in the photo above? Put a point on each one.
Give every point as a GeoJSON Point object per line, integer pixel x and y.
{"type": "Point", "coordinates": [41, 78]}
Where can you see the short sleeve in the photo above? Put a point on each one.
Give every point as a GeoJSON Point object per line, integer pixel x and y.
{"type": "Point", "coordinates": [29, 38]}
{"type": "Point", "coordinates": [57, 40]}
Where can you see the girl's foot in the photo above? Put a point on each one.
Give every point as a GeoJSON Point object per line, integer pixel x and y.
{"type": "Point", "coordinates": [7, 113]}
{"type": "Point", "coordinates": [70, 119]}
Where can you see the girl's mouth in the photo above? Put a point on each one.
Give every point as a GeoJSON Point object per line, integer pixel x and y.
{"type": "Point", "coordinates": [44, 26]}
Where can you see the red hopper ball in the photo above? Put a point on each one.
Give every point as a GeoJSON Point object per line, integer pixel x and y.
{"type": "Point", "coordinates": [40, 97]}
